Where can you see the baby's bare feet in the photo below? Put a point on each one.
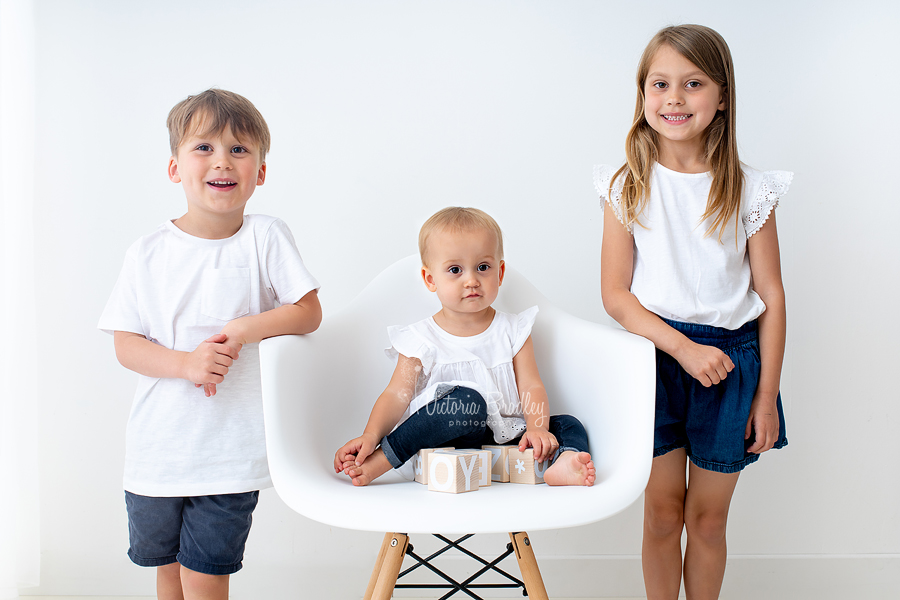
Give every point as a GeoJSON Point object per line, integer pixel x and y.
{"type": "Point", "coordinates": [372, 468]}
{"type": "Point", "coordinates": [571, 468]}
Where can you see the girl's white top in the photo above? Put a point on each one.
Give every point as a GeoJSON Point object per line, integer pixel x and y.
{"type": "Point", "coordinates": [681, 273]}
{"type": "Point", "coordinates": [482, 362]}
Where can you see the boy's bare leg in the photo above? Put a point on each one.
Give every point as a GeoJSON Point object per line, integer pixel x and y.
{"type": "Point", "coordinates": [571, 468]}
{"type": "Point", "coordinates": [663, 523]}
{"type": "Point", "coordinates": [168, 582]}
{"type": "Point", "coordinates": [200, 586]}
{"type": "Point", "coordinates": [375, 465]}
{"type": "Point", "coordinates": [705, 516]}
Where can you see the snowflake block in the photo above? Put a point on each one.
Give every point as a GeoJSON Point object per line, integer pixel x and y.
{"type": "Point", "coordinates": [453, 473]}
{"type": "Point", "coordinates": [499, 462]}
{"type": "Point", "coordinates": [524, 469]}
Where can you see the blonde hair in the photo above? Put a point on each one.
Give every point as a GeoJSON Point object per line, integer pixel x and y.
{"type": "Point", "coordinates": [217, 109]}
{"type": "Point", "coordinates": [706, 49]}
{"type": "Point", "coordinates": [458, 219]}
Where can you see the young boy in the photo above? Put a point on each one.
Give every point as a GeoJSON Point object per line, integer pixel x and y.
{"type": "Point", "coordinates": [192, 302]}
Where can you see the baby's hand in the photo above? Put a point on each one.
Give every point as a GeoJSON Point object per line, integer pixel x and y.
{"type": "Point", "coordinates": [208, 364]}
{"type": "Point", "coordinates": [354, 453]}
{"type": "Point", "coordinates": [543, 442]}
{"type": "Point", "coordinates": [706, 364]}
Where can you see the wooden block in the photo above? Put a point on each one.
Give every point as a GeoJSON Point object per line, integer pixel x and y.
{"type": "Point", "coordinates": [499, 462]}
{"type": "Point", "coordinates": [484, 463]}
{"type": "Point", "coordinates": [524, 469]}
{"type": "Point", "coordinates": [453, 473]}
{"type": "Point", "coordinates": [420, 463]}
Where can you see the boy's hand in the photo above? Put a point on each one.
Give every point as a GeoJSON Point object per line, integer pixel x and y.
{"type": "Point", "coordinates": [209, 363]}
{"type": "Point", "coordinates": [706, 364]}
{"type": "Point", "coordinates": [355, 452]}
{"type": "Point", "coordinates": [543, 442]}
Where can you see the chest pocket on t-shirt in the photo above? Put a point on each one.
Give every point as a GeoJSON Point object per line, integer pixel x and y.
{"type": "Point", "coordinates": [226, 293]}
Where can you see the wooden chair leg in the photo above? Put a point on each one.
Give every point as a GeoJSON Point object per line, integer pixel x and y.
{"type": "Point", "coordinates": [377, 568]}
{"type": "Point", "coordinates": [531, 574]}
{"type": "Point", "coordinates": [387, 567]}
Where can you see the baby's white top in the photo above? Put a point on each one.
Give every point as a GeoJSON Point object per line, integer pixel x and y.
{"type": "Point", "coordinates": [680, 273]}
{"type": "Point", "coordinates": [482, 362]}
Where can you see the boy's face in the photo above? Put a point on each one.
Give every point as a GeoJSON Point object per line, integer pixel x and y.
{"type": "Point", "coordinates": [464, 269]}
{"type": "Point", "coordinates": [218, 173]}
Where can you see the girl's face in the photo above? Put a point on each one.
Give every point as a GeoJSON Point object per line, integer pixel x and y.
{"type": "Point", "coordinates": [464, 269]}
{"type": "Point", "coordinates": [680, 101]}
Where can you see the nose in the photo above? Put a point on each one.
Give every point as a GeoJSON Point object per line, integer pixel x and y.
{"type": "Point", "coordinates": [222, 161]}
{"type": "Point", "coordinates": [472, 281]}
{"type": "Point", "coordinates": [674, 96]}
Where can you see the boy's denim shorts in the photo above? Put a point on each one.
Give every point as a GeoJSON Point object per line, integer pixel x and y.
{"type": "Point", "coordinates": [710, 423]}
{"type": "Point", "coordinates": [206, 534]}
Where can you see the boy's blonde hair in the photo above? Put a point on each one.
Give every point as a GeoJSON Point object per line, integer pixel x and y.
{"type": "Point", "coordinates": [457, 219]}
{"type": "Point", "coordinates": [214, 110]}
{"type": "Point", "coordinates": [706, 49]}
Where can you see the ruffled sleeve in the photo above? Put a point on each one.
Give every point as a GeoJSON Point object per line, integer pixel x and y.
{"type": "Point", "coordinates": [602, 177]}
{"type": "Point", "coordinates": [524, 323]}
{"type": "Point", "coordinates": [773, 185]}
{"type": "Point", "coordinates": [405, 341]}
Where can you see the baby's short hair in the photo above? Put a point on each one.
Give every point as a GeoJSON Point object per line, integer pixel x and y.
{"type": "Point", "coordinates": [215, 110]}
{"type": "Point", "coordinates": [457, 218]}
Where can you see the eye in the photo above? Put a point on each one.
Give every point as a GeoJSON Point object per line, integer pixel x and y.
{"type": "Point", "coordinates": [455, 270]}
{"type": "Point", "coordinates": [204, 148]}
{"type": "Point", "coordinates": [660, 85]}
{"type": "Point", "coordinates": [483, 267]}
{"type": "Point", "coordinates": [693, 84]}
{"type": "Point", "coordinates": [239, 150]}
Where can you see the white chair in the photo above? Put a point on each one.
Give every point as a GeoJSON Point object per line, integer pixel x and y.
{"type": "Point", "coordinates": [318, 390]}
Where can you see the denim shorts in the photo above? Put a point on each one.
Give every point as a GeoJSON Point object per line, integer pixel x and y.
{"type": "Point", "coordinates": [710, 422]}
{"type": "Point", "coordinates": [206, 534]}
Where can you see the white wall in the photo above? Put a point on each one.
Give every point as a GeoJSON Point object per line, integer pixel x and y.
{"type": "Point", "coordinates": [383, 112]}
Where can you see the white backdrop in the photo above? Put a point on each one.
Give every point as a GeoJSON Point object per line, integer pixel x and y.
{"type": "Point", "coordinates": [383, 112]}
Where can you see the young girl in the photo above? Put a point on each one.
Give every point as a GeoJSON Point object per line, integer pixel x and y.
{"type": "Point", "coordinates": [690, 261]}
{"type": "Point", "coordinates": [466, 376]}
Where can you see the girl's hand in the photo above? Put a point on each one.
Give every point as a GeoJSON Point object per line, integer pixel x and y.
{"type": "Point", "coordinates": [706, 364]}
{"type": "Point", "coordinates": [762, 425]}
{"type": "Point", "coordinates": [543, 442]}
{"type": "Point", "coordinates": [355, 452]}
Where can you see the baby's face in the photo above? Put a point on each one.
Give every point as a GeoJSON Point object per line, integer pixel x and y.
{"type": "Point", "coordinates": [464, 269]}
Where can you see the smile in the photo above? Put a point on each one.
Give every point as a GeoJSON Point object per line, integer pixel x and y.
{"type": "Point", "coordinates": [221, 183]}
{"type": "Point", "coordinates": [676, 118]}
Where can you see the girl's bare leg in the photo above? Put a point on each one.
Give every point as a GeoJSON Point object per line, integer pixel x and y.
{"type": "Point", "coordinates": [200, 586]}
{"type": "Point", "coordinates": [664, 501]}
{"type": "Point", "coordinates": [168, 582]}
{"type": "Point", "coordinates": [705, 516]}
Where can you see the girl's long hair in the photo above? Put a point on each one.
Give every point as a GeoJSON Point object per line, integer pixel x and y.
{"type": "Point", "coordinates": [707, 50]}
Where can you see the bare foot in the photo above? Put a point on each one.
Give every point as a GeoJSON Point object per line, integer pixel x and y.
{"type": "Point", "coordinates": [375, 465]}
{"type": "Point", "coordinates": [571, 468]}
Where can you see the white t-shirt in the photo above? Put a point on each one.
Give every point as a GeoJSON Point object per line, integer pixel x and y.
{"type": "Point", "coordinates": [679, 272]}
{"type": "Point", "coordinates": [177, 290]}
{"type": "Point", "coordinates": [481, 362]}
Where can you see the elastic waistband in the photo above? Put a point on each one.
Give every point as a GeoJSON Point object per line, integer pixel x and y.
{"type": "Point", "coordinates": [719, 337]}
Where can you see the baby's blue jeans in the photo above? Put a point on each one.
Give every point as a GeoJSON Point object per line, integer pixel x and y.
{"type": "Point", "coordinates": [458, 418]}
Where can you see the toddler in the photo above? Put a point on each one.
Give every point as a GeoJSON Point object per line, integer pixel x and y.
{"type": "Point", "coordinates": [466, 376]}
